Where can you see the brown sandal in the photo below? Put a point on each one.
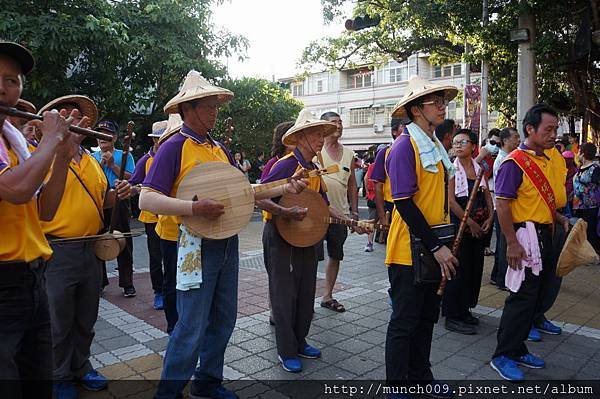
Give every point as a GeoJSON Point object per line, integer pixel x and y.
{"type": "Point", "coordinates": [334, 305]}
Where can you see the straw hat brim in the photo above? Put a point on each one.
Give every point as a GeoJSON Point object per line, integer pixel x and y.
{"type": "Point", "coordinates": [291, 136]}
{"type": "Point", "coordinates": [171, 129]}
{"type": "Point", "coordinates": [158, 133]}
{"type": "Point", "coordinates": [85, 104]}
{"type": "Point", "coordinates": [26, 106]}
{"type": "Point", "coordinates": [222, 96]}
{"type": "Point", "coordinates": [20, 54]}
{"type": "Point", "coordinates": [400, 110]}
{"type": "Point", "coordinates": [577, 250]}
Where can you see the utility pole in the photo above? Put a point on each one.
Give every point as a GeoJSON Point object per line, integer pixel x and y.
{"type": "Point", "coordinates": [526, 83]}
{"type": "Point", "coordinates": [483, 112]}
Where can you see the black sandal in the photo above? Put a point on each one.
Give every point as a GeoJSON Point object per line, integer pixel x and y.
{"type": "Point", "coordinates": [334, 305]}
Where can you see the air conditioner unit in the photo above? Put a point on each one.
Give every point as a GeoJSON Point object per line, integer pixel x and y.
{"type": "Point", "coordinates": [378, 128]}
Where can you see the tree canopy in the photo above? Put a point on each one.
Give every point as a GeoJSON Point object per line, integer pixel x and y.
{"type": "Point", "coordinates": [257, 107]}
{"type": "Point", "coordinates": [129, 56]}
{"type": "Point", "coordinates": [567, 67]}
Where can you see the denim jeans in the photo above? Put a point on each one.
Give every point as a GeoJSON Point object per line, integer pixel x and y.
{"type": "Point", "coordinates": [207, 317]}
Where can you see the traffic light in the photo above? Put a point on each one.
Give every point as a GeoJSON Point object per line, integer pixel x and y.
{"type": "Point", "coordinates": [363, 22]}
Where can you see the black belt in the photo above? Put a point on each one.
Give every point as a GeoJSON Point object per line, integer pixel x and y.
{"type": "Point", "coordinates": [14, 266]}
{"type": "Point", "coordinates": [538, 226]}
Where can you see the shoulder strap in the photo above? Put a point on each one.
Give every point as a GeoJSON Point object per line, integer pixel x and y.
{"type": "Point", "coordinates": [100, 213]}
{"type": "Point", "coordinates": [537, 177]}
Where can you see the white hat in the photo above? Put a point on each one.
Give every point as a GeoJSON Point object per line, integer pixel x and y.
{"type": "Point", "coordinates": [307, 121]}
{"type": "Point", "coordinates": [174, 124]}
{"type": "Point", "coordinates": [419, 87]}
{"type": "Point", "coordinates": [196, 87]}
{"type": "Point", "coordinates": [158, 128]}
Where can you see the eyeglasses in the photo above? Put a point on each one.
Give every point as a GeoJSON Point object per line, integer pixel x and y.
{"type": "Point", "coordinates": [494, 142]}
{"type": "Point", "coordinates": [437, 102]}
{"type": "Point", "coordinates": [461, 143]}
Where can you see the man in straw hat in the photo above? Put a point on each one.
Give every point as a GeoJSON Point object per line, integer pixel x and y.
{"type": "Point", "coordinates": [150, 219]}
{"type": "Point", "coordinates": [293, 270]}
{"type": "Point", "coordinates": [417, 166]}
{"type": "Point", "coordinates": [207, 297]}
{"type": "Point", "coordinates": [25, 338]}
{"type": "Point", "coordinates": [24, 125]}
{"type": "Point", "coordinates": [530, 186]}
{"type": "Point", "coordinates": [74, 274]}
{"type": "Point", "coordinates": [110, 160]}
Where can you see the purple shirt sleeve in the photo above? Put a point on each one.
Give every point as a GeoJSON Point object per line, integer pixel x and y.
{"type": "Point", "coordinates": [166, 166]}
{"type": "Point", "coordinates": [282, 170]}
{"type": "Point", "coordinates": [508, 179]}
{"type": "Point", "coordinates": [139, 173]}
{"type": "Point", "coordinates": [379, 167]}
{"type": "Point", "coordinates": [267, 168]}
{"type": "Point", "coordinates": [400, 165]}
{"type": "Point", "coordinates": [3, 165]}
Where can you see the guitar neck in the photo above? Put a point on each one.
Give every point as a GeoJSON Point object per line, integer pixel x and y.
{"type": "Point", "coordinates": [259, 188]}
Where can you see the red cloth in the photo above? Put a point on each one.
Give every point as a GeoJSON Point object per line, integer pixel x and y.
{"type": "Point", "coordinates": [370, 183]}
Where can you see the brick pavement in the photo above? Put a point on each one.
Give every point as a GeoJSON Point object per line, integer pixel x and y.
{"type": "Point", "coordinates": [130, 342]}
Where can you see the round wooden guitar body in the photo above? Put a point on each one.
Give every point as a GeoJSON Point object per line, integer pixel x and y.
{"type": "Point", "coordinates": [223, 183]}
{"type": "Point", "coordinates": [312, 228]}
{"type": "Point", "coordinates": [109, 246]}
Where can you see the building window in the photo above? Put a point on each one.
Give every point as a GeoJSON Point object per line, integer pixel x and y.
{"type": "Point", "coordinates": [446, 71]}
{"type": "Point", "coordinates": [457, 70]}
{"type": "Point", "coordinates": [358, 79]}
{"type": "Point", "coordinates": [412, 66]}
{"type": "Point", "coordinates": [437, 71]}
{"type": "Point", "coordinates": [297, 89]}
{"type": "Point", "coordinates": [361, 116]}
{"type": "Point", "coordinates": [398, 74]}
{"type": "Point", "coordinates": [387, 114]}
{"type": "Point", "coordinates": [319, 86]}
{"type": "Point", "coordinates": [451, 113]}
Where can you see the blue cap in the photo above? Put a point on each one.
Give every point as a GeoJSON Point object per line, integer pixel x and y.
{"type": "Point", "coordinates": [107, 125]}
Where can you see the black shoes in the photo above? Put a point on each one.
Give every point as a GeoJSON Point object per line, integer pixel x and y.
{"type": "Point", "coordinates": [129, 292]}
{"type": "Point", "coordinates": [460, 326]}
{"type": "Point", "coordinates": [471, 320]}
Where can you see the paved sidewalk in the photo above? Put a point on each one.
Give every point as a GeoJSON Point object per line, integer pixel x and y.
{"type": "Point", "coordinates": [130, 341]}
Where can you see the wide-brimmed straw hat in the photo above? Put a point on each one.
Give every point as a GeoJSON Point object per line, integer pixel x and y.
{"type": "Point", "coordinates": [174, 124]}
{"type": "Point", "coordinates": [20, 54]}
{"type": "Point", "coordinates": [419, 87]}
{"type": "Point", "coordinates": [158, 128]}
{"type": "Point", "coordinates": [196, 87]}
{"type": "Point", "coordinates": [577, 250]}
{"type": "Point", "coordinates": [307, 122]}
{"type": "Point", "coordinates": [83, 103]}
{"type": "Point", "coordinates": [24, 105]}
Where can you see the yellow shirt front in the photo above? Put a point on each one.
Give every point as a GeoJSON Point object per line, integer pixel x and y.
{"type": "Point", "coordinates": [387, 185]}
{"type": "Point", "coordinates": [145, 216]}
{"type": "Point", "coordinates": [426, 189]}
{"type": "Point", "coordinates": [173, 161]}
{"type": "Point", "coordinates": [22, 237]}
{"type": "Point", "coordinates": [527, 204]}
{"type": "Point", "coordinates": [78, 213]}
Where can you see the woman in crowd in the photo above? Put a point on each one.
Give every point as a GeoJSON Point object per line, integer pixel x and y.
{"type": "Point", "coordinates": [462, 294]}
{"type": "Point", "coordinates": [585, 192]}
{"type": "Point", "coordinates": [242, 164]}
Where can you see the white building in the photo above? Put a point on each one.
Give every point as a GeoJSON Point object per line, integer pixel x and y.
{"type": "Point", "coordinates": [365, 97]}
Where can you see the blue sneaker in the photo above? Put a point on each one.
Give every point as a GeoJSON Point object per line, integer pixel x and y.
{"type": "Point", "coordinates": [531, 361]}
{"type": "Point", "coordinates": [64, 390]}
{"type": "Point", "coordinates": [309, 352]}
{"type": "Point", "coordinates": [158, 302]}
{"type": "Point", "coordinates": [291, 364]}
{"type": "Point", "coordinates": [219, 392]}
{"type": "Point", "coordinates": [507, 368]}
{"type": "Point", "coordinates": [549, 328]}
{"type": "Point", "coordinates": [534, 335]}
{"type": "Point", "coordinates": [94, 381]}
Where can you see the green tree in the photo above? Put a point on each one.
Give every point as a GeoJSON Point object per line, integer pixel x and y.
{"type": "Point", "coordinates": [257, 107]}
{"type": "Point", "coordinates": [130, 56]}
{"type": "Point", "coordinates": [567, 73]}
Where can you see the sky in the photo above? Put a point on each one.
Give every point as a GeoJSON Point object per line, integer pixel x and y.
{"type": "Point", "coordinates": [277, 30]}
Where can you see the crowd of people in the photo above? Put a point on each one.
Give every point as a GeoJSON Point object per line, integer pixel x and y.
{"type": "Point", "coordinates": [56, 197]}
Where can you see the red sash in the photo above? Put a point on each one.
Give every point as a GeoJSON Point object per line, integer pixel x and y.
{"type": "Point", "coordinates": [537, 177]}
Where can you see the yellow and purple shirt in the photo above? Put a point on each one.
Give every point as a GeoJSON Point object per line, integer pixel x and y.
{"type": "Point", "coordinates": [286, 167]}
{"type": "Point", "coordinates": [526, 203]}
{"type": "Point", "coordinates": [139, 174]}
{"type": "Point", "coordinates": [408, 179]}
{"type": "Point", "coordinates": [173, 161]}
{"type": "Point", "coordinates": [380, 173]}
